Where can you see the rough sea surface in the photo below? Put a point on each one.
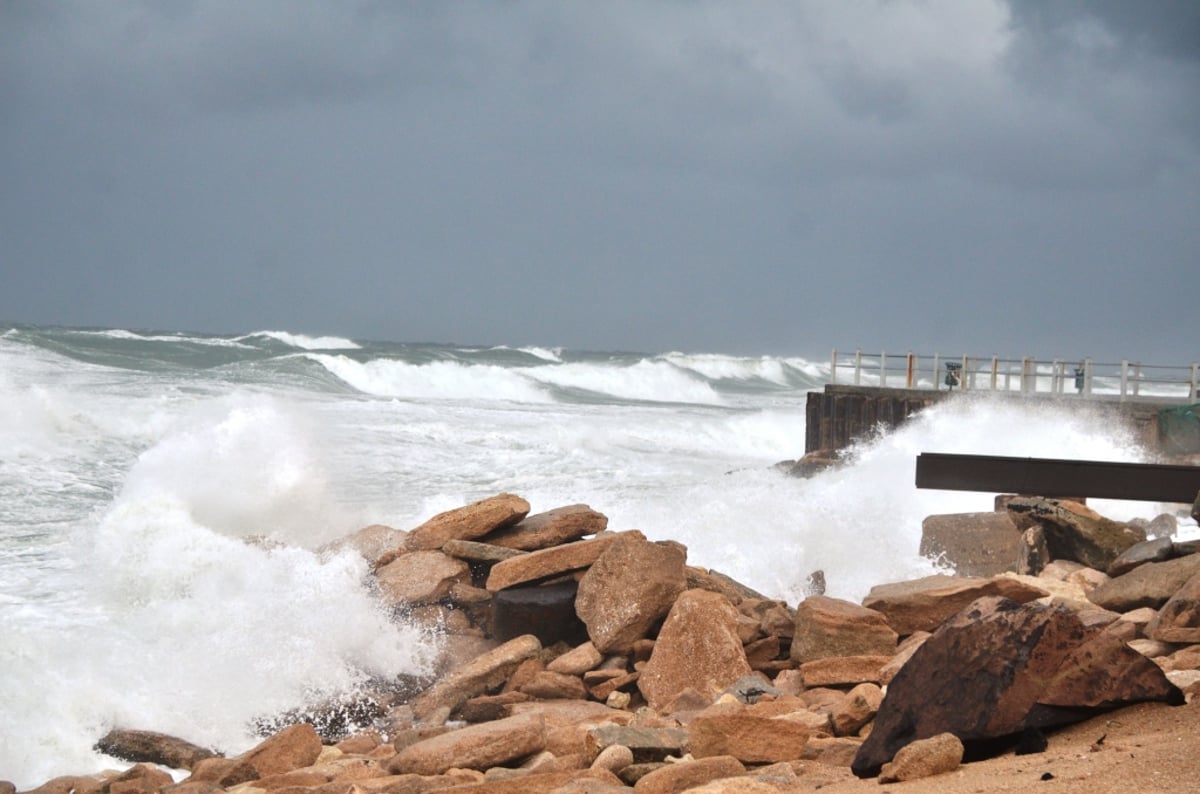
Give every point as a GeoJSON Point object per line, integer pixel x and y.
{"type": "Point", "coordinates": [136, 466]}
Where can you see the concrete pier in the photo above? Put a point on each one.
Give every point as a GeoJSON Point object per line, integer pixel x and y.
{"type": "Point", "coordinates": [840, 415]}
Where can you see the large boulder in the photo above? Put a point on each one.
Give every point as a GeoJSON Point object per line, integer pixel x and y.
{"type": "Point", "coordinates": [922, 604]}
{"type": "Point", "coordinates": [750, 738]}
{"type": "Point", "coordinates": [827, 627]}
{"type": "Point", "coordinates": [478, 746]}
{"type": "Point", "coordinates": [468, 523]}
{"type": "Point", "coordinates": [698, 647]}
{"type": "Point", "coordinates": [420, 577]}
{"type": "Point", "coordinates": [628, 589]}
{"type": "Point", "coordinates": [1014, 666]}
{"type": "Point", "coordinates": [1076, 532]}
{"type": "Point", "coordinates": [1179, 619]}
{"type": "Point", "coordinates": [552, 528]}
{"type": "Point", "coordinates": [975, 544]}
{"type": "Point", "coordinates": [294, 747]}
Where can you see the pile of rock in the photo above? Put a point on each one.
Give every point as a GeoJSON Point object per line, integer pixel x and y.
{"type": "Point", "coordinates": [577, 658]}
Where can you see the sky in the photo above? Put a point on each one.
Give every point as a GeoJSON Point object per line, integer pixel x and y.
{"type": "Point", "coordinates": [992, 177]}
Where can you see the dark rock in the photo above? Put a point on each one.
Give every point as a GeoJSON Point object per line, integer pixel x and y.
{"type": "Point", "coordinates": [155, 748]}
{"type": "Point", "coordinates": [1157, 550]}
{"type": "Point", "coordinates": [974, 544]}
{"type": "Point", "coordinates": [1148, 585]}
{"type": "Point", "coordinates": [648, 744]}
{"type": "Point", "coordinates": [547, 612]}
{"type": "Point", "coordinates": [1033, 555]}
{"type": "Point", "coordinates": [998, 667]}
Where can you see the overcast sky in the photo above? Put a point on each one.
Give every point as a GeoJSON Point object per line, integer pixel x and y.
{"type": "Point", "coordinates": [1011, 177]}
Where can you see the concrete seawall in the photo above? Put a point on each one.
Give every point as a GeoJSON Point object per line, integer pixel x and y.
{"type": "Point", "coordinates": [840, 415]}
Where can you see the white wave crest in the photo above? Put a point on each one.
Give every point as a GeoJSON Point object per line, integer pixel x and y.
{"type": "Point", "coordinates": [446, 380]}
{"type": "Point", "coordinates": [306, 342]}
{"type": "Point", "coordinates": [212, 341]}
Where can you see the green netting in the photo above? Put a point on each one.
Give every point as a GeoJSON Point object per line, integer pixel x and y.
{"type": "Point", "coordinates": [1179, 428]}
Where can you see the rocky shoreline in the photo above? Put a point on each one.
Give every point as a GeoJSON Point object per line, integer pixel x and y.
{"type": "Point", "coordinates": [582, 659]}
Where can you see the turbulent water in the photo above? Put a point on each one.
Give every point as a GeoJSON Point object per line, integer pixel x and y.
{"type": "Point", "coordinates": [141, 472]}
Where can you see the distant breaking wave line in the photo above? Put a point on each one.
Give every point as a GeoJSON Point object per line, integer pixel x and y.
{"type": "Point", "coordinates": [306, 342]}
{"type": "Point", "coordinates": [447, 380]}
{"type": "Point", "coordinates": [117, 333]}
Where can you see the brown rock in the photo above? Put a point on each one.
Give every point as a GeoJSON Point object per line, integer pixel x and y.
{"type": "Point", "coordinates": [614, 758]}
{"type": "Point", "coordinates": [138, 779]}
{"type": "Point", "coordinates": [468, 523]}
{"type": "Point", "coordinates": [70, 784]}
{"type": "Point", "coordinates": [843, 670]}
{"type": "Point", "coordinates": [292, 748]}
{"type": "Point", "coordinates": [975, 544]}
{"type": "Point", "coordinates": [544, 564]}
{"type": "Point", "coordinates": [922, 604]}
{"type": "Point", "coordinates": [1157, 550]}
{"type": "Point", "coordinates": [857, 709]}
{"type": "Point", "coordinates": [479, 746]}
{"type": "Point", "coordinates": [1076, 532]}
{"type": "Point", "coordinates": [1101, 673]}
{"type": "Point", "coordinates": [1179, 619]}
{"type": "Point", "coordinates": [210, 770]}
{"type": "Point", "coordinates": [371, 542]}
{"type": "Point", "coordinates": [473, 551]}
{"type": "Point", "coordinates": [646, 744]}
{"type": "Point", "coordinates": [924, 758]}
{"type": "Point", "coordinates": [717, 582]}
{"type": "Point", "coordinates": [1006, 659]}
{"type": "Point", "coordinates": [555, 686]}
{"type": "Point", "coordinates": [155, 748]}
{"type": "Point", "coordinates": [903, 653]}
{"type": "Point", "coordinates": [477, 676]}
{"type": "Point", "coordinates": [577, 661]}
{"type": "Point", "coordinates": [697, 647]}
{"type": "Point", "coordinates": [568, 722]}
{"type": "Point", "coordinates": [827, 627]}
{"type": "Point", "coordinates": [552, 528]}
{"type": "Point", "coordinates": [749, 738]}
{"type": "Point", "coordinates": [420, 577]}
{"type": "Point", "coordinates": [1148, 585]}
{"type": "Point", "coordinates": [631, 586]}
{"type": "Point", "coordinates": [674, 778]}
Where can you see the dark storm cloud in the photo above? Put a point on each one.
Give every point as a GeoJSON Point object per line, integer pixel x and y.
{"type": "Point", "coordinates": [977, 177]}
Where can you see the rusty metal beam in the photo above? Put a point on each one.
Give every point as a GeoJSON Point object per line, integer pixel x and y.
{"type": "Point", "coordinates": [1146, 482]}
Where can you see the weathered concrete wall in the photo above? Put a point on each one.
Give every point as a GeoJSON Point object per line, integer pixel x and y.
{"type": "Point", "coordinates": [840, 415]}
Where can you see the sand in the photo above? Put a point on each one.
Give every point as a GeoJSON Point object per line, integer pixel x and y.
{"type": "Point", "coordinates": [1140, 749]}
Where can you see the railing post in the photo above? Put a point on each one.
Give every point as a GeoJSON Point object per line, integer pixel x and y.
{"type": "Point", "coordinates": [937, 370]}
{"type": "Point", "coordinates": [882, 368]}
{"type": "Point", "coordinates": [909, 373]}
{"type": "Point", "coordinates": [995, 370]}
{"type": "Point", "coordinates": [1195, 381]}
{"type": "Point", "coordinates": [1056, 376]}
{"type": "Point", "coordinates": [1124, 377]}
{"type": "Point", "coordinates": [1087, 377]}
{"type": "Point", "coordinates": [1025, 376]}
{"type": "Point", "coordinates": [966, 375]}
{"type": "Point", "coordinates": [1137, 378]}
{"type": "Point", "coordinates": [833, 367]}
{"type": "Point", "coordinates": [858, 367]}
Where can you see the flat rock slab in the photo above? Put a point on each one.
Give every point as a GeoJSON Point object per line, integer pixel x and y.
{"type": "Point", "coordinates": [749, 738]}
{"type": "Point", "coordinates": [536, 566]}
{"type": "Point", "coordinates": [468, 523]}
{"type": "Point", "coordinates": [1148, 585]}
{"type": "Point", "coordinates": [552, 528]}
{"type": "Point", "coordinates": [478, 746]}
{"type": "Point", "coordinates": [923, 604]}
{"type": "Point", "coordinates": [484, 672]}
{"type": "Point", "coordinates": [827, 627]}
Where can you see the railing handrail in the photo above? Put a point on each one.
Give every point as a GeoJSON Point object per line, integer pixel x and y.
{"type": "Point", "coordinates": [1126, 379]}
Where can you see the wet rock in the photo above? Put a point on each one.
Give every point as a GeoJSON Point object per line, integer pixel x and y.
{"type": "Point", "coordinates": [370, 542]}
{"type": "Point", "coordinates": [922, 604]}
{"type": "Point", "coordinates": [420, 577]}
{"type": "Point", "coordinates": [468, 523]}
{"type": "Point", "coordinates": [477, 676]}
{"type": "Point", "coordinates": [155, 748]}
{"type": "Point", "coordinates": [552, 528]}
{"type": "Point", "coordinates": [138, 779]}
{"type": "Point", "coordinates": [697, 647]}
{"type": "Point", "coordinates": [546, 611]}
{"type": "Point", "coordinates": [474, 551]}
{"type": "Point", "coordinates": [1076, 532]}
{"type": "Point", "coordinates": [1033, 553]}
{"type": "Point", "coordinates": [631, 586]}
{"type": "Point", "coordinates": [924, 758]}
{"type": "Point", "coordinates": [827, 627]}
{"type": "Point", "coordinates": [292, 748]}
{"type": "Point", "coordinates": [975, 544]}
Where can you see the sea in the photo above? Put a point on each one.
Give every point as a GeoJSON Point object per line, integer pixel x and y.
{"type": "Point", "coordinates": [167, 500]}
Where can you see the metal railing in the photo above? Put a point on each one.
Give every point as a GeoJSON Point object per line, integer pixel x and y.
{"type": "Point", "coordinates": [1125, 380]}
